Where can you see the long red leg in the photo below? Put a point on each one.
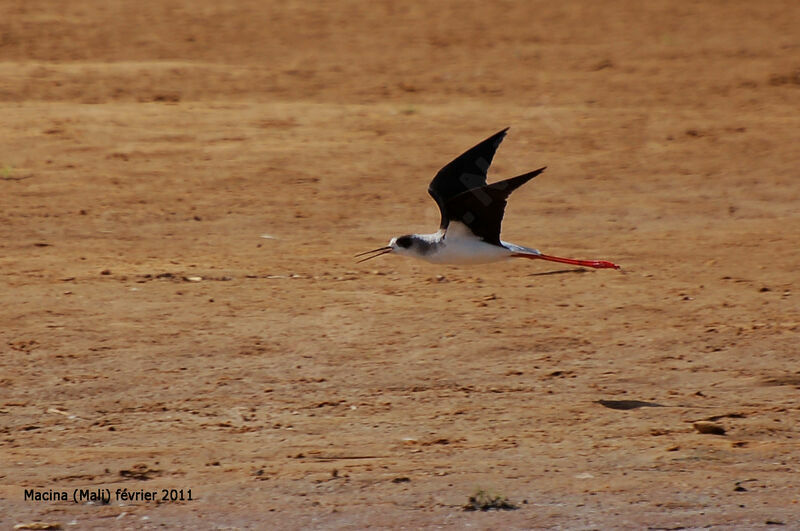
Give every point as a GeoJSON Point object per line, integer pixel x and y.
{"type": "Point", "coordinates": [597, 264]}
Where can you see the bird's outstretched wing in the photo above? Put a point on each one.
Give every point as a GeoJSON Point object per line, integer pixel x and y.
{"type": "Point", "coordinates": [464, 173]}
{"type": "Point", "coordinates": [481, 209]}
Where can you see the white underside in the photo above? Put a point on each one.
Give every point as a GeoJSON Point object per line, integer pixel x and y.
{"type": "Point", "coordinates": [466, 251]}
{"type": "Point", "coordinates": [459, 246]}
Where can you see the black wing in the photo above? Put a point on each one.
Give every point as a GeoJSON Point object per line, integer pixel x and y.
{"type": "Point", "coordinates": [466, 172]}
{"type": "Point", "coordinates": [481, 209]}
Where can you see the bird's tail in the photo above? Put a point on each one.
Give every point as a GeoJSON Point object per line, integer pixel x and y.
{"type": "Point", "coordinates": [514, 248]}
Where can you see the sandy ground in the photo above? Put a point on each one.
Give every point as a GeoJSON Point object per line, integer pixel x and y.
{"type": "Point", "coordinates": [182, 188]}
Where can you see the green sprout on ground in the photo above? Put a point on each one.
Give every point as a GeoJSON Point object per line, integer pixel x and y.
{"type": "Point", "coordinates": [484, 500]}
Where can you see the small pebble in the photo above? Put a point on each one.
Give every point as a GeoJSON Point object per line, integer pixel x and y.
{"type": "Point", "coordinates": [709, 428]}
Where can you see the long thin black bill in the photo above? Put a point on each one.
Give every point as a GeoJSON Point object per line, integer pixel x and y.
{"type": "Point", "coordinates": [387, 248]}
{"type": "Point", "coordinates": [378, 252]}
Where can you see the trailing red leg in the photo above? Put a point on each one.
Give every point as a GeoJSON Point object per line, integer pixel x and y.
{"type": "Point", "coordinates": [597, 264]}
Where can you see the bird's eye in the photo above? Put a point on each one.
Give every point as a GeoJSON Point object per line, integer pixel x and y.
{"type": "Point", "coordinates": [404, 242]}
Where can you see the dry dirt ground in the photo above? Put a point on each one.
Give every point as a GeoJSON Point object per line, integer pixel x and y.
{"type": "Point", "coordinates": [183, 186]}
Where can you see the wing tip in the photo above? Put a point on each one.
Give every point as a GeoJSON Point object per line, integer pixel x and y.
{"type": "Point", "coordinates": [531, 174]}
{"type": "Point", "coordinates": [498, 137]}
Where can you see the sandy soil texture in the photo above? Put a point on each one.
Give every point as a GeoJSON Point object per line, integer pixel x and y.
{"type": "Point", "coordinates": [183, 186]}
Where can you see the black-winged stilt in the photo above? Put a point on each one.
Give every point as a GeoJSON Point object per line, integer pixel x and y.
{"type": "Point", "coordinates": [472, 212]}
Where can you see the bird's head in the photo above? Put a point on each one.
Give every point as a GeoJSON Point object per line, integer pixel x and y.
{"type": "Point", "coordinates": [400, 245]}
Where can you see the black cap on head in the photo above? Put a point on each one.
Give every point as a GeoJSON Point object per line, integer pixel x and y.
{"type": "Point", "coordinates": [404, 242]}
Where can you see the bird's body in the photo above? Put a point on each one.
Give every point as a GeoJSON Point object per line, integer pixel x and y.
{"type": "Point", "coordinates": [471, 215]}
{"type": "Point", "coordinates": [458, 246]}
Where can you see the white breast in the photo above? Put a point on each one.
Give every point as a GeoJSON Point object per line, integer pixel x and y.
{"type": "Point", "coordinates": [460, 246]}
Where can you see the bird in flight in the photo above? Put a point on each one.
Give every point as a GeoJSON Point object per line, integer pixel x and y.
{"type": "Point", "coordinates": [472, 212]}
